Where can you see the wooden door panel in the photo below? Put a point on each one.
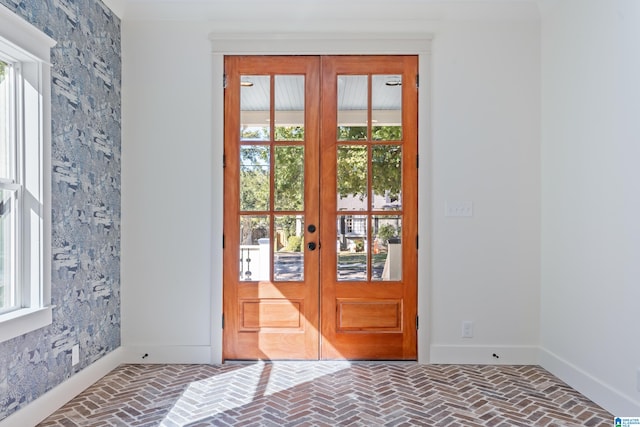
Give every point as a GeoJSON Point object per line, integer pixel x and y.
{"type": "Point", "coordinates": [368, 315]}
{"type": "Point", "coordinates": [269, 315]}
{"type": "Point", "coordinates": [365, 315]}
{"type": "Point", "coordinates": [367, 310]}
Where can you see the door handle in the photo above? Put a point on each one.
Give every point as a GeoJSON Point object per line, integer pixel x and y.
{"type": "Point", "coordinates": [311, 246]}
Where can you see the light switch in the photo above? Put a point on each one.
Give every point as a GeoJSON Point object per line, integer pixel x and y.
{"type": "Point", "coordinates": [458, 209]}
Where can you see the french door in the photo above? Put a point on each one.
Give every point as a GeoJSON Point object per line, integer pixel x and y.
{"type": "Point", "coordinates": [320, 224]}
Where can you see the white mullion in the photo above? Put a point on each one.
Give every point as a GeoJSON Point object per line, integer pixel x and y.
{"type": "Point", "coordinates": [23, 287]}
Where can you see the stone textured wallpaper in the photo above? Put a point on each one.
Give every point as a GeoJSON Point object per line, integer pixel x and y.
{"type": "Point", "coordinates": [85, 283]}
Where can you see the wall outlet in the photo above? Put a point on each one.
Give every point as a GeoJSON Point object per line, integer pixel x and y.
{"type": "Point", "coordinates": [75, 355]}
{"type": "Point", "coordinates": [467, 329]}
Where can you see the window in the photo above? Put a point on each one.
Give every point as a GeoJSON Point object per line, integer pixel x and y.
{"type": "Point", "coordinates": [25, 128]}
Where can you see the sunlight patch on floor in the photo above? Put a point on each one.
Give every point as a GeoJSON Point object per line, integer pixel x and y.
{"type": "Point", "coordinates": [237, 388]}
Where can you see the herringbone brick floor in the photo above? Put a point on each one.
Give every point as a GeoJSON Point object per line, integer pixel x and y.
{"type": "Point", "coordinates": [329, 394]}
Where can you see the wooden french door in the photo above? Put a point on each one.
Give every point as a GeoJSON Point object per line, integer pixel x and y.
{"type": "Point", "coordinates": [320, 225]}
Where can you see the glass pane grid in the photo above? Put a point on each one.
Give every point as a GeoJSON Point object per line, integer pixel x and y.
{"type": "Point", "coordinates": [386, 107]}
{"type": "Point", "coordinates": [289, 178]}
{"type": "Point", "coordinates": [352, 247]}
{"type": "Point", "coordinates": [369, 178]}
{"type": "Point", "coordinates": [289, 108]}
{"type": "Point", "coordinates": [272, 178]}
{"type": "Point", "coordinates": [255, 108]}
{"type": "Point", "coordinates": [255, 256]}
{"type": "Point", "coordinates": [255, 177]}
{"type": "Point", "coordinates": [386, 248]}
{"type": "Point", "coordinates": [353, 108]}
{"type": "Point", "coordinates": [288, 248]}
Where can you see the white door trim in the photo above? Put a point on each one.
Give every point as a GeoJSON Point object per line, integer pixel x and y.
{"type": "Point", "coordinates": [323, 44]}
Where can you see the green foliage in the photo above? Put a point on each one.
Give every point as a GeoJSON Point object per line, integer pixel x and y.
{"type": "Point", "coordinates": [3, 67]}
{"type": "Point", "coordinates": [286, 224]}
{"type": "Point", "coordinates": [352, 180]}
{"type": "Point", "coordinates": [386, 167]}
{"type": "Point", "coordinates": [352, 171]}
{"type": "Point", "coordinates": [386, 133]}
{"type": "Point", "coordinates": [352, 133]}
{"type": "Point", "coordinates": [289, 178]}
{"type": "Point", "coordinates": [294, 244]}
{"type": "Point", "coordinates": [289, 133]}
{"type": "Point", "coordinates": [386, 232]}
{"type": "Point", "coordinates": [254, 178]}
{"type": "Point", "coordinates": [255, 133]}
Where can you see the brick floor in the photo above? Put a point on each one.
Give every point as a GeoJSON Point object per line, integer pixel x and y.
{"type": "Point", "coordinates": [329, 394]}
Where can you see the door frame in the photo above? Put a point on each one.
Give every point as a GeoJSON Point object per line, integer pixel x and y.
{"type": "Point", "coordinates": [321, 44]}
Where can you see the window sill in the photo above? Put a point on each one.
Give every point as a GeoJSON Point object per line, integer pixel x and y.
{"type": "Point", "coordinates": [22, 321]}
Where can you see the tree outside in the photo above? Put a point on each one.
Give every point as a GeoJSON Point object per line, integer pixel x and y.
{"type": "Point", "coordinates": [386, 169]}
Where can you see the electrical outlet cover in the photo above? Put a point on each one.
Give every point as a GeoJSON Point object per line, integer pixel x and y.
{"type": "Point", "coordinates": [467, 329]}
{"type": "Point", "coordinates": [75, 355]}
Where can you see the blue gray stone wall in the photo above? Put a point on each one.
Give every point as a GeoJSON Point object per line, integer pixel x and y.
{"type": "Point", "coordinates": [85, 276]}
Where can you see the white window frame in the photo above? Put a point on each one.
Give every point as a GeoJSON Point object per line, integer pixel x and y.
{"type": "Point", "coordinates": [29, 49]}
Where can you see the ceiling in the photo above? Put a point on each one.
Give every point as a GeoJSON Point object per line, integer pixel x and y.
{"type": "Point", "coordinates": [354, 11]}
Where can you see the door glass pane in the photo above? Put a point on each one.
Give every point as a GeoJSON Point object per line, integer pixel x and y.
{"type": "Point", "coordinates": [386, 177]}
{"type": "Point", "coordinates": [351, 247]}
{"type": "Point", "coordinates": [289, 106]}
{"type": "Point", "coordinates": [254, 178]}
{"type": "Point", "coordinates": [289, 178]}
{"type": "Point", "coordinates": [386, 252]}
{"type": "Point", "coordinates": [353, 105]}
{"type": "Point", "coordinates": [288, 249]}
{"type": "Point", "coordinates": [255, 108]}
{"type": "Point", "coordinates": [386, 107]}
{"type": "Point", "coordinates": [352, 177]}
{"type": "Point", "coordinates": [255, 255]}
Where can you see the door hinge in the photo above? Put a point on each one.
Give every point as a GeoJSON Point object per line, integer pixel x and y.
{"type": "Point", "coordinates": [224, 161]}
{"type": "Point", "coordinates": [417, 322]}
{"type": "Point", "coordinates": [223, 321]}
{"type": "Point", "coordinates": [417, 161]}
{"type": "Point", "coordinates": [417, 80]}
{"type": "Point", "coordinates": [417, 242]}
{"type": "Point", "coordinates": [223, 241]}
{"type": "Point", "coordinates": [224, 81]}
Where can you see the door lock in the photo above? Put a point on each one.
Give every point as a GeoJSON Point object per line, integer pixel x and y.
{"type": "Point", "coordinates": [311, 246]}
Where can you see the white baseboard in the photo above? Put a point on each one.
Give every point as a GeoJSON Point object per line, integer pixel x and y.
{"type": "Point", "coordinates": [598, 391]}
{"type": "Point", "coordinates": [484, 354]}
{"type": "Point", "coordinates": [55, 398]}
{"type": "Point", "coordinates": [195, 354]}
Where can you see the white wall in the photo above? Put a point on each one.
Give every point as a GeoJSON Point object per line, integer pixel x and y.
{"type": "Point", "coordinates": [167, 191]}
{"type": "Point", "coordinates": [485, 148]}
{"type": "Point", "coordinates": [590, 198]}
{"type": "Point", "coordinates": [486, 117]}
